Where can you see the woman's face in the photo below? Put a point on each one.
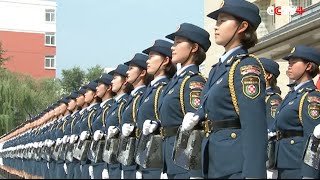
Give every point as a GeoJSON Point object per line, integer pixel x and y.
{"type": "Point", "coordinates": [88, 96]}
{"type": "Point", "coordinates": [181, 50]}
{"type": "Point", "coordinates": [225, 28]}
{"type": "Point", "coordinates": [296, 68]}
{"type": "Point", "coordinates": [154, 62]}
{"type": "Point", "coordinates": [63, 108]}
{"type": "Point", "coordinates": [116, 82]}
{"type": "Point", "coordinates": [80, 100]}
{"type": "Point", "coordinates": [101, 90]}
{"type": "Point", "coordinates": [133, 73]}
{"type": "Point", "coordinates": [72, 105]}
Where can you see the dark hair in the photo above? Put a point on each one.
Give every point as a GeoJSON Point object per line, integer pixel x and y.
{"type": "Point", "coordinates": [98, 99]}
{"type": "Point", "coordinates": [314, 71]}
{"type": "Point", "coordinates": [249, 38]}
{"type": "Point", "coordinates": [200, 55]}
{"type": "Point", "coordinates": [273, 83]}
{"type": "Point", "coordinates": [170, 68]}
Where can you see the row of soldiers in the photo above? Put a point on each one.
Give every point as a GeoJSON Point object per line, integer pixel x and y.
{"type": "Point", "coordinates": [146, 119]}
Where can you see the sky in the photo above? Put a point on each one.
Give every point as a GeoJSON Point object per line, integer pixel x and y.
{"type": "Point", "coordinates": [110, 32]}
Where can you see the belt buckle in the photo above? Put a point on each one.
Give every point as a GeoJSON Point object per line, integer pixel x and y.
{"type": "Point", "coordinates": [278, 134]}
{"type": "Point", "coordinates": [162, 132]}
{"type": "Point", "coordinates": [206, 128]}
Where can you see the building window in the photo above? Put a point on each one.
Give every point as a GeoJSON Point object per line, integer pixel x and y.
{"type": "Point", "coordinates": [50, 62]}
{"type": "Point", "coordinates": [301, 3]}
{"type": "Point", "coordinates": [50, 15]}
{"type": "Point", "coordinates": [50, 39]}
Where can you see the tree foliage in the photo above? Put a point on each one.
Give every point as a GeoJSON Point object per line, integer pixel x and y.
{"type": "Point", "coordinates": [3, 59]}
{"type": "Point", "coordinates": [94, 73]}
{"type": "Point", "coordinates": [22, 97]}
{"type": "Point", "coordinates": [72, 79]}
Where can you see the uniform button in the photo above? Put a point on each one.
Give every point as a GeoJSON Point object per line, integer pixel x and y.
{"type": "Point", "coordinates": [292, 141]}
{"type": "Point", "coordinates": [233, 135]}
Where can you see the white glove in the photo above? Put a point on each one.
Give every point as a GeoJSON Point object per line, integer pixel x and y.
{"type": "Point", "coordinates": [307, 178]}
{"type": "Point", "coordinates": [316, 131]}
{"type": "Point", "coordinates": [91, 172]}
{"type": "Point", "coordinates": [139, 175]}
{"type": "Point", "coordinates": [127, 129]}
{"type": "Point", "coordinates": [84, 135]}
{"type": "Point", "coordinates": [65, 167]}
{"type": "Point", "coordinates": [272, 174]}
{"type": "Point", "coordinates": [35, 145]}
{"type": "Point", "coordinates": [65, 139]}
{"type": "Point", "coordinates": [41, 144]}
{"type": "Point", "coordinates": [271, 134]}
{"type": "Point", "coordinates": [73, 138]}
{"type": "Point", "coordinates": [189, 121]}
{"type": "Point", "coordinates": [112, 131]}
{"type": "Point", "coordinates": [98, 134]}
{"type": "Point", "coordinates": [59, 141]}
{"type": "Point", "coordinates": [149, 127]}
{"type": "Point", "coordinates": [163, 176]}
{"type": "Point", "coordinates": [105, 174]}
{"type": "Point", "coordinates": [196, 178]}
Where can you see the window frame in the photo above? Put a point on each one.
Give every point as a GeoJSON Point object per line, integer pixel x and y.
{"type": "Point", "coordinates": [50, 34]}
{"type": "Point", "coordinates": [52, 15]}
{"type": "Point", "coordinates": [50, 58]}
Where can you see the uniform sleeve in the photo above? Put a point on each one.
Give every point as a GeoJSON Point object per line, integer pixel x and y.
{"type": "Point", "coordinates": [310, 119]}
{"type": "Point", "coordinates": [250, 94]}
{"type": "Point", "coordinates": [192, 93]}
{"type": "Point", "coordinates": [272, 106]}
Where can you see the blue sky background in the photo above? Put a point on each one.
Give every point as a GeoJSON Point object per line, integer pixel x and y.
{"type": "Point", "coordinates": [110, 32]}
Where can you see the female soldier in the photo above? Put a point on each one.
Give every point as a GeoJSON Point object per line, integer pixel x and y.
{"type": "Point", "coordinates": [161, 67]}
{"type": "Point", "coordinates": [298, 114]}
{"type": "Point", "coordinates": [182, 94]}
{"type": "Point", "coordinates": [113, 119]}
{"type": "Point", "coordinates": [86, 123]}
{"type": "Point", "coordinates": [233, 107]}
{"type": "Point", "coordinates": [273, 100]}
{"type": "Point", "coordinates": [138, 78]}
{"type": "Point", "coordinates": [104, 91]}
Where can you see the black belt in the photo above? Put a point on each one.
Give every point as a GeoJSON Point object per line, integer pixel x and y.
{"type": "Point", "coordinates": [168, 131]}
{"type": "Point", "coordinates": [211, 126]}
{"type": "Point", "coordinates": [288, 134]}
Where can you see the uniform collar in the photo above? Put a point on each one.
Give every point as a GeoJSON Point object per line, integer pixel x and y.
{"type": "Point", "coordinates": [183, 69]}
{"type": "Point", "coordinates": [91, 105]}
{"type": "Point", "coordinates": [104, 102]}
{"type": "Point", "coordinates": [155, 80]}
{"type": "Point", "coordinates": [117, 98]}
{"type": "Point", "coordinates": [301, 85]}
{"type": "Point", "coordinates": [133, 92]}
{"type": "Point", "coordinates": [226, 55]}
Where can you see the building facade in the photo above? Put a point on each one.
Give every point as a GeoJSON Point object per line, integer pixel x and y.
{"type": "Point", "coordinates": [28, 35]}
{"type": "Point", "coordinates": [277, 34]}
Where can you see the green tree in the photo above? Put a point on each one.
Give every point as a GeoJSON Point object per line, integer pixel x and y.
{"type": "Point", "coordinates": [72, 79]}
{"type": "Point", "coordinates": [94, 73]}
{"type": "Point", "coordinates": [3, 59]}
{"type": "Point", "coordinates": [21, 97]}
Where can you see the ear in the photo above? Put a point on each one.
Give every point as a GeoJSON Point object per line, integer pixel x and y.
{"type": "Point", "coordinates": [243, 27]}
{"type": "Point", "coordinates": [309, 66]}
{"type": "Point", "coordinates": [195, 47]}
{"type": "Point", "coordinates": [143, 73]}
{"type": "Point", "coordinates": [166, 61]}
{"type": "Point", "coordinates": [269, 76]}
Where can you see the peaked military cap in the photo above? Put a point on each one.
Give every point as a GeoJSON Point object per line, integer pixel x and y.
{"type": "Point", "coordinates": [74, 95]}
{"type": "Point", "coordinates": [306, 53]}
{"type": "Point", "coordinates": [105, 79]}
{"type": "Point", "coordinates": [121, 70]}
{"type": "Point", "coordinates": [161, 46]}
{"type": "Point", "coordinates": [92, 86]}
{"type": "Point", "coordinates": [193, 33]}
{"type": "Point", "coordinates": [82, 90]}
{"type": "Point", "coordinates": [239, 8]}
{"type": "Point", "coordinates": [271, 66]}
{"type": "Point", "coordinates": [139, 59]}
